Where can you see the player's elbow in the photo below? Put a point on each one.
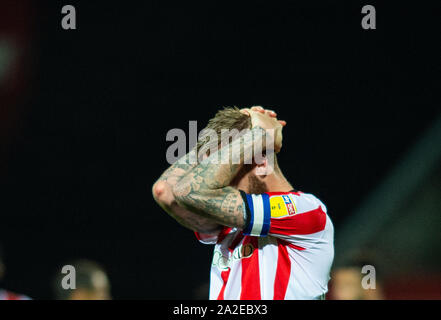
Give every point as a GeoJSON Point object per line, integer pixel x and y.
{"type": "Point", "coordinates": [162, 193]}
{"type": "Point", "coordinates": [158, 189]}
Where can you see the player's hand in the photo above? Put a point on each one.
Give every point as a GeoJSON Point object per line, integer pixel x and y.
{"type": "Point", "coordinates": [270, 123]}
{"type": "Point", "coordinates": [269, 112]}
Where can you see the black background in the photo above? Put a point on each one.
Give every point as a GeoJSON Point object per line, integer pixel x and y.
{"type": "Point", "coordinates": [101, 100]}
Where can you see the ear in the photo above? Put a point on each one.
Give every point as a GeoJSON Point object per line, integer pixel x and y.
{"type": "Point", "coordinates": [263, 168]}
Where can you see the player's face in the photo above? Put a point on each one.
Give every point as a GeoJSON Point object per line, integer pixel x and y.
{"type": "Point", "coordinates": [248, 181]}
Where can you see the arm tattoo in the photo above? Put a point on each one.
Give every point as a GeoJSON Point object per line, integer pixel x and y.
{"type": "Point", "coordinates": [205, 189]}
{"type": "Point", "coordinates": [183, 216]}
{"type": "Point", "coordinates": [177, 170]}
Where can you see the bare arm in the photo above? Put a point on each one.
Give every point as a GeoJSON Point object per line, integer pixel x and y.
{"type": "Point", "coordinates": [205, 188]}
{"type": "Point", "coordinates": [163, 195]}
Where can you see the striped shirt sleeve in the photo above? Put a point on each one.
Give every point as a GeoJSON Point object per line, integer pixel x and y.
{"type": "Point", "coordinates": [279, 214]}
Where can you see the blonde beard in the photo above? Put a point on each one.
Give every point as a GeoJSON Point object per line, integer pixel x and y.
{"type": "Point", "coordinates": [255, 185]}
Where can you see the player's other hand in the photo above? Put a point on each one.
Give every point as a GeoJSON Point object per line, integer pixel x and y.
{"type": "Point", "coordinates": [267, 119]}
{"type": "Point", "coordinates": [270, 113]}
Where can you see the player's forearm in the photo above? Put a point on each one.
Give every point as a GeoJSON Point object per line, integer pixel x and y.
{"type": "Point", "coordinates": [205, 189]}
{"type": "Point", "coordinates": [163, 195]}
{"type": "Point", "coordinates": [220, 168]}
{"type": "Point", "coordinates": [187, 218]}
{"type": "Point", "coordinates": [178, 169]}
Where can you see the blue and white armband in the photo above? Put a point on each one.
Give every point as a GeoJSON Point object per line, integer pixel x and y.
{"type": "Point", "coordinates": [258, 214]}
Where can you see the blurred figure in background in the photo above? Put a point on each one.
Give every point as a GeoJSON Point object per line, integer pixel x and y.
{"type": "Point", "coordinates": [347, 283]}
{"type": "Point", "coordinates": [201, 291]}
{"type": "Point", "coordinates": [4, 294]}
{"type": "Point", "coordinates": [91, 283]}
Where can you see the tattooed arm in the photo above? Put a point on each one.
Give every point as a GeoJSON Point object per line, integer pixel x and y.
{"type": "Point", "coordinates": [163, 195]}
{"type": "Point", "coordinates": [205, 189]}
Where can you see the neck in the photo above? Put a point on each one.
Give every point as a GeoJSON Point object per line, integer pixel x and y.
{"type": "Point", "coordinates": [276, 182]}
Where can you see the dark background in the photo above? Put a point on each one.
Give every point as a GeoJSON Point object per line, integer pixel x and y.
{"type": "Point", "coordinates": [84, 140]}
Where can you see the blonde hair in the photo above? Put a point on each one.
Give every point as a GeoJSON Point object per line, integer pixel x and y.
{"type": "Point", "coordinates": [228, 118]}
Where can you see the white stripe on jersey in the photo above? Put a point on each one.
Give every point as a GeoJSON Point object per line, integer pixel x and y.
{"type": "Point", "coordinates": [267, 271]}
{"type": "Point", "coordinates": [258, 215]}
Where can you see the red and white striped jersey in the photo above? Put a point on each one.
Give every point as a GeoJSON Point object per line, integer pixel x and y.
{"type": "Point", "coordinates": [285, 251]}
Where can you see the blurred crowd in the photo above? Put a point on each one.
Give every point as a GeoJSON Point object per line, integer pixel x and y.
{"type": "Point", "coordinates": [90, 278]}
{"type": "Point", "coordinates": [92, 283]}
{"type": "Point", "coordinates": [350, 280]}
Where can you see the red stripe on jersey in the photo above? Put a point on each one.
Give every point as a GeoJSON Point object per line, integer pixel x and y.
{"type": "Point", "coordinates": [303, 223]}
{"type": "Point", "coordinates": [283, 272]}
{"type": "Point", "coordinates": [224, 275]}
{"type": "Point", "coordinates": [286, 243]}
{"type": "Point", "coordinates": [221, 236]}
{"type": "Point", "coordinates": [198, 235]}
{"type": "Point", "coordinates": [225, 231]}
{"type": "Point", "coordinates": [297, 193]}
{"type": "Point", "coordinates": [250, 271]}
{"type": "Point", "coordinates": [236, 241]}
